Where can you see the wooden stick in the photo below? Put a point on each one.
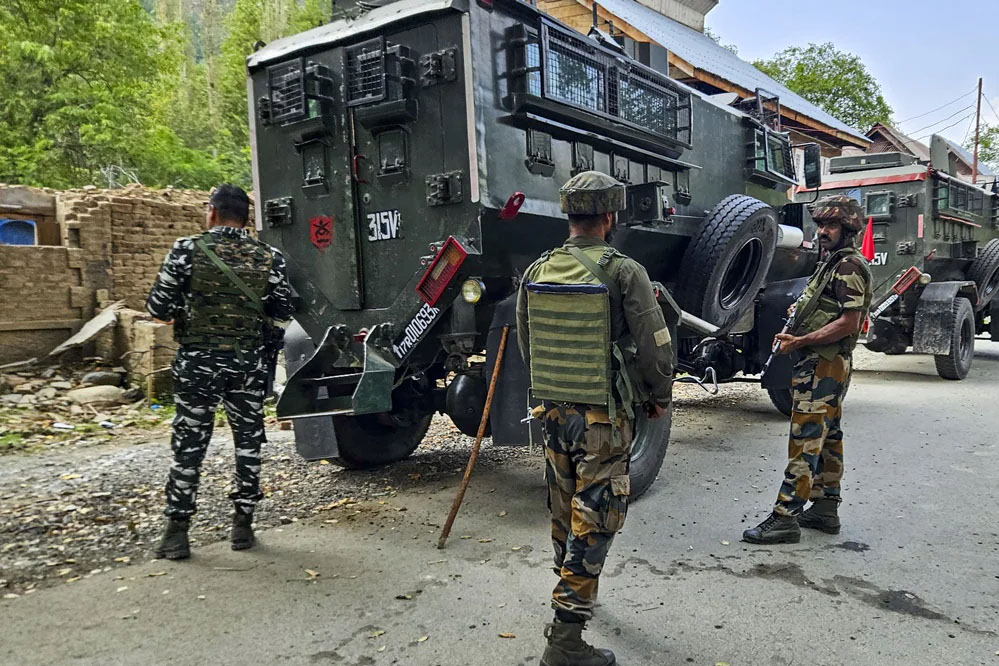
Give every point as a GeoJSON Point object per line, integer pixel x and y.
{"type": "Point", "coordinates": [478, 441]}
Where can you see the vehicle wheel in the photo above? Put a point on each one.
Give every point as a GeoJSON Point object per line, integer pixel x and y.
{"type": "Point", "coordinates": [727, 260]}
{"type": "Point", "coordinates": [984, 271]}
{"type": "Point", "coordinates": [370, 440]}
{"type": "Point", "coordinates": [648, 449]}
{"type": "Point", "coordinates": [782, 400]}
{"type": "Point", "coordinates": [957, 363]}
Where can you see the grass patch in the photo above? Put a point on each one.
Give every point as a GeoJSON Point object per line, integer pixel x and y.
{"type": "Point", "coordinates": [11, 442]}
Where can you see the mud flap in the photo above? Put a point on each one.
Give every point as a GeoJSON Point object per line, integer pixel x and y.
{"type": "Point", "coordinates": [510, 402]}
{"type": "Point", "coordinates": [933, 331]}
{"type": "Point", "coordinates": [315, 438]}
{"type": "Point", "coordinates": [771, 313]}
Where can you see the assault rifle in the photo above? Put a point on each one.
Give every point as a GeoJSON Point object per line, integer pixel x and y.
{"type": "Point", "coordinates": [273, 344]}
{"type": "Point", "coordinates": [789, 324]}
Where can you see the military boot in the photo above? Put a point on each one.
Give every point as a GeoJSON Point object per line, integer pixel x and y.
{"type": "Point", "coordinates": [242, 531]}
{"type": "Point", "coordinates": [174, 544]}
{"type": "Point", "coordinates": [566, 647]}
{"type": "Point", "coordinates": [775, 529]}
{"type": "Point", "coordinates": [823, 515]}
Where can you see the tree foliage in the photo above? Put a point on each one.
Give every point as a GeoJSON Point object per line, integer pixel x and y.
{"type": "Point", "coordinates": [154, 89]}
{"type": "Point", "coordinates": [833, 80]}
{"type": "Point", "coordinates": [988, 146]}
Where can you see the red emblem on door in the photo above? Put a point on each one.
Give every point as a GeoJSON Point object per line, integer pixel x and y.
{"type": "Point", "coordinates": [321, 231]}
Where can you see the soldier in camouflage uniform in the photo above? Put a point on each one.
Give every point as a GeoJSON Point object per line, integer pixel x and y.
{"type": "Point", "coordinates": [575, 304]}
{"type": "Point", "coordinates": [221, 289]}
{"type": "Point", "coordinates": [826, 326]}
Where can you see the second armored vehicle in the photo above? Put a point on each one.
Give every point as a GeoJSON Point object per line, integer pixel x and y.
{"type": "Point", "coordinates": [936, 253]}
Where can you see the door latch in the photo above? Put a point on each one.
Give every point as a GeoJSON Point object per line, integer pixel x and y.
{"type": "Point", "coordinates": [439, 67]}
{"type": "Point", "coordinates": [444, 188]}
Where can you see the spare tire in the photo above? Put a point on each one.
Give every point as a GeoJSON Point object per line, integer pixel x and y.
{"type": "Point", "coordinates": [727, 260]}
{"type": "Point", "coordinates": [984, 271]}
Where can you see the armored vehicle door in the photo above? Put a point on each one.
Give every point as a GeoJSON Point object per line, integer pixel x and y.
{"type": "Point", "coordinates": [393, 89]}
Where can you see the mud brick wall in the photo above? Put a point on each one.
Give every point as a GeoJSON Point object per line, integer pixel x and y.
{"type": "Point", "coordinates": [142, 232]}
{"type": "Point", "coordinates": [43, 299]}
{"type": "Point", "coordinates": [113, 241]}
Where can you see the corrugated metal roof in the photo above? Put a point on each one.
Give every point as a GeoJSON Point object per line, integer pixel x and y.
{"type": "Point", "coordinates": [704, 53]}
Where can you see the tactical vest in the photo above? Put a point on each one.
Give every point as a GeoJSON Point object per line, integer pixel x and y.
{"type": "Point", "coordinates": [218, 314]}
{"type": "Point", "coordinates": [815, 309]}
{"type": "Point", "coordinates": [573, 358]}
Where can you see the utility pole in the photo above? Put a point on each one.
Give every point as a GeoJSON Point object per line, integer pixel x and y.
{"type": "Point", "coordinates": [978, 125]}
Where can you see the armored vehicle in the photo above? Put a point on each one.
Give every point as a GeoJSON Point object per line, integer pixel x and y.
{"type": "Point", "coordinates": [408, 164]}
{"type": "Point", "coordinates": [936, 253]}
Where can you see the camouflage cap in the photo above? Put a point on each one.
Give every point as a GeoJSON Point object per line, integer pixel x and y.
{"type": "Point", "coordinates": [592, 193]}
{"type": "Point", "coordinates": [840, 208]}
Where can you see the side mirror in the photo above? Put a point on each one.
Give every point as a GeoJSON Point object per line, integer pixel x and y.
{"type": "Point", "coordinates": [813, 166]}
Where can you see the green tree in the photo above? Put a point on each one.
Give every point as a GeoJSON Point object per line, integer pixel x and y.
{"type": "Point", "coordinates": [988, 146]}
{"type": "Point", "coordinates": [76, 75]}
{"type": "Point", "coordinates": [832, 80]}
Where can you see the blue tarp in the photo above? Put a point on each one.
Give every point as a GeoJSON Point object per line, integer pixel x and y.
{"type": "Point", "coordinates": [17, 232]}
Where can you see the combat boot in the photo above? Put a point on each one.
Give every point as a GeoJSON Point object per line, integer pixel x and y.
{"type": "Point", "coordinates": [823, 515]}
{"type": "Point", "coordinates": [775, 529]}
{"type": "Point", "coordinates": [566, 647]}
{"type": "Point", "coordinates": [174, 544]}
{"type": "Point", "coordinates": [242, 531]}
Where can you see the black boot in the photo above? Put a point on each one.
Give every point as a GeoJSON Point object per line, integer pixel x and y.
{"type": "Point", "coordinates": [566, 647]}
{"type": "Point", "coordinates": [823, 515]}
{"type": "Point", "coordinates": [775, 529]}
{"type": "Point", "coordinates": [174, 544]}
{"type": "Point", "coordinates": [242, 531]}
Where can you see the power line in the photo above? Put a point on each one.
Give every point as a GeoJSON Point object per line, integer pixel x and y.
{"type": "Point", "coordinates": [942, 120]}
{"type": "Point", "coordinates": [944, 129]}
{"type": "Point", "coordinates": [990, 106]}
{"type": "Point", "coordinates": [967, 133]}
{"type": "Point", "coordinates": [938, 108]}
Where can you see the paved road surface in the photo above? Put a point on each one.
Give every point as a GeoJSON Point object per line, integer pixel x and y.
{"type": "Point", "coordinates": [913, 579]}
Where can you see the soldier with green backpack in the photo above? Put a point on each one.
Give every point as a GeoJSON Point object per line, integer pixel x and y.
{"type": "Point", "coordinates": [597, 345]}
{"type": "Point", "coordinates": [824, 329]}
{"type": "Point", "coordinates": [226, 293]}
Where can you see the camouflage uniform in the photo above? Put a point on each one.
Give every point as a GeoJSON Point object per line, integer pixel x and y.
{"type": "Point", "coordinates": [206, 374]}
{"type": "Point", "coordinates": [822, 374]}
{"type": "Point", "coordinates": [587, 456]}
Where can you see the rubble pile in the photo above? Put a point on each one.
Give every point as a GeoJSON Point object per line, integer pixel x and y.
{"type": "Point", "coordinates": [41, 406]}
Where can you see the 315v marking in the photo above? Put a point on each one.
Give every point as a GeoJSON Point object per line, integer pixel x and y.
{"type": "Point", "coordinates": [384, 225]}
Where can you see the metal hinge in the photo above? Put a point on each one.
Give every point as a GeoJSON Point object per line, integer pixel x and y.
{"type": "Point", "coordinates": [907, 201]}
{"type": "Point", "coordinates": [906, 247]}
{"type": "Point", "coordinates": [264, 110]}
{"type": "Point", "coordinates": [277, 212]}
{"type": "Point", "coordinates": [439, 67]}
{"type": "Point", "coordinates": [444, 188]}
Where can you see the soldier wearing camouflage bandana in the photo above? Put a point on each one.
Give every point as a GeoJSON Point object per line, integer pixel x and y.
{"type": "Point", "coordinates": [574, 304]}
{"type": "Point", "coordinates": [827, 322]}
{"type": "Point", "coordinates": [219, 289]}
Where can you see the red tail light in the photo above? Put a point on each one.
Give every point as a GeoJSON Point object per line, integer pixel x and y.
{"type": "Point", "coordinates": [442, 270]}
{"type": "Point", "coordinates": [908, 279]}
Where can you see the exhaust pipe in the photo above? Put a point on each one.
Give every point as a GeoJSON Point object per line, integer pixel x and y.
{"type": "Point", "coordinates": [698, 325]}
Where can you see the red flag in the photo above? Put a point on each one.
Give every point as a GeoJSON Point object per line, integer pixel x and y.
{"type": "Point", "coordinates": [867, 246]}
